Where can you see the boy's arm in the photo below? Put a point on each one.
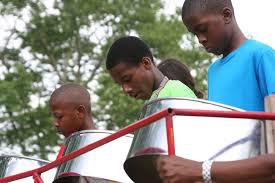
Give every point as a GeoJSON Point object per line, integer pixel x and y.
{"type": "Point", "coordinates": [254, 170]}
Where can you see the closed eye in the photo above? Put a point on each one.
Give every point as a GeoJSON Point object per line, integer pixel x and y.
{"type": "Point", "coordinates": [126, 79]}
{"type": "Point", "coordinates": [201, 29]}
{"type": "Point", "coordinates": [58, 116]}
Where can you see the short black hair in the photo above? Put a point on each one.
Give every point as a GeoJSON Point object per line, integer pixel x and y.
{"type": "Point", "coordinates": [74, 94]}
{"type": "Point", "coordinates": [176, 70]}
{"type": "Point", "coordinates": [209, 6]}
{"type": "Point", "coordinates": [128, 49]}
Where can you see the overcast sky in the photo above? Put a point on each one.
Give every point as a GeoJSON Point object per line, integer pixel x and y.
{"type": "Point", "coordinates": [255, 17]}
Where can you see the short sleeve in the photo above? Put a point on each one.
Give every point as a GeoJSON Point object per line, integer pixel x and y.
{"type": "Point", "coordinates": [266, 72]}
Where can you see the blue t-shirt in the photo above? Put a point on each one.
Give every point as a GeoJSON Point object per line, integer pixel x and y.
{"type": "Point", "coordinates": [244, 77]}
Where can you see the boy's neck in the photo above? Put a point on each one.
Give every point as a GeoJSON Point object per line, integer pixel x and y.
{"type": "Point", "coordinates": [236, 41]}
{"type": "Point", "coordinates": [158, 78]}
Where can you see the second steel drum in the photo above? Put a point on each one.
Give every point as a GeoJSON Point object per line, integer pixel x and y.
{"type": "Point", "coordinates": [196, 138]}
{"type": "Point", "coordinates": [101, 165]}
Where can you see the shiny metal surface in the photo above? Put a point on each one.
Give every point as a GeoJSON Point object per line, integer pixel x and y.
{"type": "Point", "coordinates": [196, 138]}
{"type": "Point", "coordinates": [103, 164]}
{"type": "Point", "coordinates": [12, 164]}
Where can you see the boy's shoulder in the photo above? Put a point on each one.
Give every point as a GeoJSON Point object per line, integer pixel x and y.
{"type": "Point", "coordinates": [257, 46]}
{"type": "Point", "coordinates": [250, 48]}
{"type": "Point", "coordinates": [175, 88]}
{"type": "Point", "coordinates": [171, 84]}
{"type": "Point", "coordinates": [259, 50]}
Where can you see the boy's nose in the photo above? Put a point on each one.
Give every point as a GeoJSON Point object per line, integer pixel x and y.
{"type": "Point", "coordinates": [127, 89]}
{"type": "Point", "coordinates": [55, 123]}
{"type": "Point", "coordinates": [202, 39]}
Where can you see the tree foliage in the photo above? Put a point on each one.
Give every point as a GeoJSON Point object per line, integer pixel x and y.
{"type": "Point", "coordinates": [68, 42]}
{"type": "Point", "coordinates": [22, 125]}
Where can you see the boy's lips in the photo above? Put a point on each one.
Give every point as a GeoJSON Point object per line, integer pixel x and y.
{"type": "Point", "coordinates": [138, 95]}
{"type": "Point", "coordinates": [206, 47]}
{"type": "Point", "coordinates": [134, 95]}
{"type": "Point", "coordinates": [209, 49]}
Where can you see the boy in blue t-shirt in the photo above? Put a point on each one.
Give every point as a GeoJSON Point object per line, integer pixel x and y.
{"type": "Point", "coordinates": [245, 73]}
{"type": "Point", "coordinates": [242, 78]}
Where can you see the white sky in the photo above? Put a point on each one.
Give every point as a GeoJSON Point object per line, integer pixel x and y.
{"type": "Point", "coordinates": [256, 18]}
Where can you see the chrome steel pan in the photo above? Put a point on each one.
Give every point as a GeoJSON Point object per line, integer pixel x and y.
{"type": "Point", "coordinates": [196, 138]}
{"type": "Point", "coordinates": [103, 164]}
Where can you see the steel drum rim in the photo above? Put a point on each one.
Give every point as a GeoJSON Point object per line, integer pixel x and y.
{"type": "Point", "coordinates": [193, 99]}
{"type": "Point", "coordinates": [95, 131]}
{"type": "Point", "coordinates": [23, 157]}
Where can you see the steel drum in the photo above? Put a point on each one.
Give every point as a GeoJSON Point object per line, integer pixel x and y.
{"type": "Point", "coordinates": [101, 165]}
{"type": "Point", "coordinates": [196, 138]}
{"type": "Point", "coordinates": [12, 164]}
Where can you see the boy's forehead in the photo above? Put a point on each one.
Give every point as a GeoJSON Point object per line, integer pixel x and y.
{"type": "Point", "coordinates": [122, 67]}
{"type": "Point", "coordinates": [57, 101]}
{"type": "Point", "coordinates": [196, 19]}
{"type": "Point", "coordinates": [62, 100]}
{"type": "Point", "coordinates": [191, 21]}
{"type": "Point", "coordinates": [122, 70]}
{"type": "Point", "coordinates": [195, 16]}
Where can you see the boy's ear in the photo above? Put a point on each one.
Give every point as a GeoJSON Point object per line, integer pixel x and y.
{"type": "Point", "coordinates": [146, 62]}
{"type": "Point", "coordinates": [227, 15]}
{"type": "Point", "coordinates": [81, 111]}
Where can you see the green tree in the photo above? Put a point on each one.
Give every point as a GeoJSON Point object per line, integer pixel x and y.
{"type": "Point", "coordinates": [68, 43]}
{"type": "Point", "coordinates": [19, 120]}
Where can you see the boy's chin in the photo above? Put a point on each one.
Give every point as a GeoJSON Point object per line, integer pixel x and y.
{"type": "Point", "coordinates": [215, 51]}
{"type": "Point", "coordinates": [143, 97]}
{"type": "Point", "coordinates": [140, 97]}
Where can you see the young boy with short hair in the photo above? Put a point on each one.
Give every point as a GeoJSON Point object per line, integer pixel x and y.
{"type": "Point", "coordinates": [71, 109]}
{"type": "Point", "coordinates": [245, 73]}
{"type": "Point", "coordinates": [131, 65]}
